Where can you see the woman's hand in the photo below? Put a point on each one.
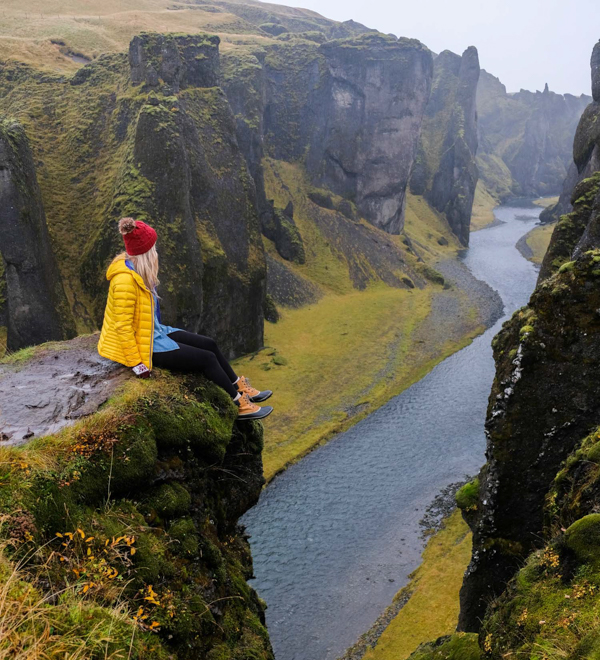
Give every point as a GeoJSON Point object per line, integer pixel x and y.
{"type": "Point", "coordinates": [141, 371]}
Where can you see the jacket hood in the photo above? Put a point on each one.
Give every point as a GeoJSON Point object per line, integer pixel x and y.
{"type": "Point", "coordinates": [118, 267]}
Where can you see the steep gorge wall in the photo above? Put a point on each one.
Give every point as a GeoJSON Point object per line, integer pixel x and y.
{"type": "Point", "coordinates": [531, 589]}
{"type": "Point", "coordinates": [526, 138]}
{"type": "Point", "coordinates": [32, 298]}
{"type": "Point", "coordinates": [151, 137]}
{"type": "Point", "coordinates": [586, 153]}
{"type": "Point", "coordinates": [353, 106]}
{"type": "Point", "coordinates": [546, 396]}
{"type": "Point", "coordinates": [445, 170]}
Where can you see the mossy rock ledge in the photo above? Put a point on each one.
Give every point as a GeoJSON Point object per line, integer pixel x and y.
{"type": "Point", "coordinates": [119, 518]}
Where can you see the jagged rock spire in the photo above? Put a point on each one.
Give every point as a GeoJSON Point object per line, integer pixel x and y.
{"type": "Point", "coordinates": [596, 73]}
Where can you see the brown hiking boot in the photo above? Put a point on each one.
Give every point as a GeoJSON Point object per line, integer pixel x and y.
{"type": "Point", "coordinates": [256, 396]}
{"type": "Point", "coordinates": [249, 410]}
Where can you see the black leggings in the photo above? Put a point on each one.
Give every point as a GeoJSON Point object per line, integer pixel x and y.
{"type": "Point", "coordinates": [198, 353]}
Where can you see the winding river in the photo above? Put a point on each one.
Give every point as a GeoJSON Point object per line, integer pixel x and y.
{"type": "Point", "coordinates": [336, 536]}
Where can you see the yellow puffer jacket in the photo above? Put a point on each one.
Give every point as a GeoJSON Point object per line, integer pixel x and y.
{"type": "Point", "coordinates": [128, 329]}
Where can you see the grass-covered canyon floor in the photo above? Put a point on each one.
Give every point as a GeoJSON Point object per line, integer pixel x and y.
{"type": "Point", "coordinates": [335, 360]}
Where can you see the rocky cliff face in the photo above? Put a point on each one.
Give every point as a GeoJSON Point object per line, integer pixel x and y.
{"type": "Point", "coordinates": [586, 152]}
{"type": "Point", "coordinates": [129, 517]}
{"type": "Point", "coordinates": [546, 396]}
{"type": "Point", "coordinates": [36, 307]}
{"type": "Point", "coordinates": [150, 136]}
{"type": "Point", "coordinates": [365, 140]}
{"type": "Point", "coordinates": [354, 106]}
{"type": "Point", "coordinates": [445, 170]}
{"type": "Point", "coordinates": [525, 138]}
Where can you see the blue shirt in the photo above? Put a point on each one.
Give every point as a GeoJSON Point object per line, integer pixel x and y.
{"type": "Point", "coordinates": [162, 342]}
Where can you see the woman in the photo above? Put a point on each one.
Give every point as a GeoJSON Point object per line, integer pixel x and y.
{"type": "Point", "coordinates": [133, 335]}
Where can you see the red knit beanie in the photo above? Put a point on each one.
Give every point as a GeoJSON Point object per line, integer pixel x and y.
{"type": "Point", "coordinates": [138, 236]}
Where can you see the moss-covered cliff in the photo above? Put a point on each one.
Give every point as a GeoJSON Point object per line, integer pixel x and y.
{"type": "Point", "coordinates": [33, 305]}
{"type": "Point", "coordinates": [151, 137]}
{"type": "Point", "coordinates": [531, 589]}
{"type": "Point", "coordinates": [119, 534]}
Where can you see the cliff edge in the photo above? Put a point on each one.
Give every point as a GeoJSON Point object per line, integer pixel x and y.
{"type": "Point", "coordinates": [119, 512]}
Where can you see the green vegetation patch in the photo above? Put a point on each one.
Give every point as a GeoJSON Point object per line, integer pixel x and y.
{"type": "Point", "coordinates": [461, 646]}
{"type": "Point", "coordinates": [128, 523]}
{"type": "Point", "coordinates": [467, 497]}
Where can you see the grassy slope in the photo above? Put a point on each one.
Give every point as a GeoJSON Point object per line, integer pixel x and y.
{"type": "Point", "coordinates": [96, 26]}
{"type": "Point", "coordinates": [432, 610]}
{"type": "Point", "coordinates": [538, 239]}
{"type": "Point", "coordinates": [545, 202]}
{"type": "Point", "coordinates": [483, 207]}
{"type": "Point", "coordinates": [332, 362]}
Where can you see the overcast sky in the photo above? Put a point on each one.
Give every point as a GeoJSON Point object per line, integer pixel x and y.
{"type": "Point", "coordinates": [526, 43]}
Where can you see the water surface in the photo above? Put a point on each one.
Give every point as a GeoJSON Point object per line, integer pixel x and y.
{"type": "Point", "coordinates": [336, 536]}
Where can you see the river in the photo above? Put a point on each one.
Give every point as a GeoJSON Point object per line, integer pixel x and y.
{"type": "Point", "coordinates": [336, 536]}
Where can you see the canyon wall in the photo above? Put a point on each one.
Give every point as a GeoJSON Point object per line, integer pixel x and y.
{"type": "Point", "coordinates": [586, 155]}
{"type": "Point", "coordinates": [35, 304]}
{"type": "Point", "coordinates": [525, 145]}
{"type": "Point", "coordinates": [546, 395]}
{"type": "Point", "coordinates": [445, 170]}
{"type": "Point", "coordinates": [353, 106]}
{"type": "Point", "coordinates": [531, 589]}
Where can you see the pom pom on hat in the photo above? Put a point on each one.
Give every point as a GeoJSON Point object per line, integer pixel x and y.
{"type": "Point", "coordinates": [138, 236]}
{"type": "Point", "coordinates": [126, 225]}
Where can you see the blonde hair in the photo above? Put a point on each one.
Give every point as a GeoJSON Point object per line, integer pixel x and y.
{"type": "Point", "coordinates": [145, 265]}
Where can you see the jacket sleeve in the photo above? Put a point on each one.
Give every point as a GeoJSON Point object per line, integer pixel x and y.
{"type": "Point", "coordinates": [124, 302]}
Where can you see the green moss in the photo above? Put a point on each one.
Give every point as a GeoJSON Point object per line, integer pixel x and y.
{"type": "Point", "coordinates": [189, 423]}
{"type": "Point", "coordinates": [430, 273]}
{"type": "Point", "coordinates": [170, 500]}
{"type": "Point", "coordinates": [583, 538]}
{"type": "Point", "coordinates": [566, 267]}
{"type": "Point", "coordinates": [461, 646]}
{"type": "Point", "coordinates": [184, 533]}
{"type": "Point", "coordinates": [526, 330]}
{"type": "Point", "coordinates": [467, 498]}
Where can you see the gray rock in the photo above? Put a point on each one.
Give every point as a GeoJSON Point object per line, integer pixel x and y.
{"type": "Point", "coordinates": [446, 172]}
{"type": "Point", "coordinates": [37, 308]}
{"type": "Point", "coordinates": [364, 144]}
{"type": "Point", "coordinates": [526, 139]}
{"type": "Point", "coordinates": [180, 61]}
{"type": "Point", "coordinates": [351, 109]}
{"type": "Point", "coordinates": [55, 389]}
{"type": "Point", "coordinates": [596, 73]}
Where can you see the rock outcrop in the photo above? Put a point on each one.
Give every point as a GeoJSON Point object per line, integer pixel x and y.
{"type": "Point", "coordinates": [36, 304]}
{"type": "Point", "coordinates": [376, 89]}
{"type": "Point", "coordinates": [350, 108]}
{"type": "Point", "coordinates": [445, 170]}
{"type": "Point", "coordinates": [152, 136]}
{"type": "Point", "coordinates": [586, 148]}
{"type": "Point", "coordinates": [525, 138]}
{"type": "Point", "coordinates": [128, 518]}
{"type": "Point", "coordinates": [546, 396]}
